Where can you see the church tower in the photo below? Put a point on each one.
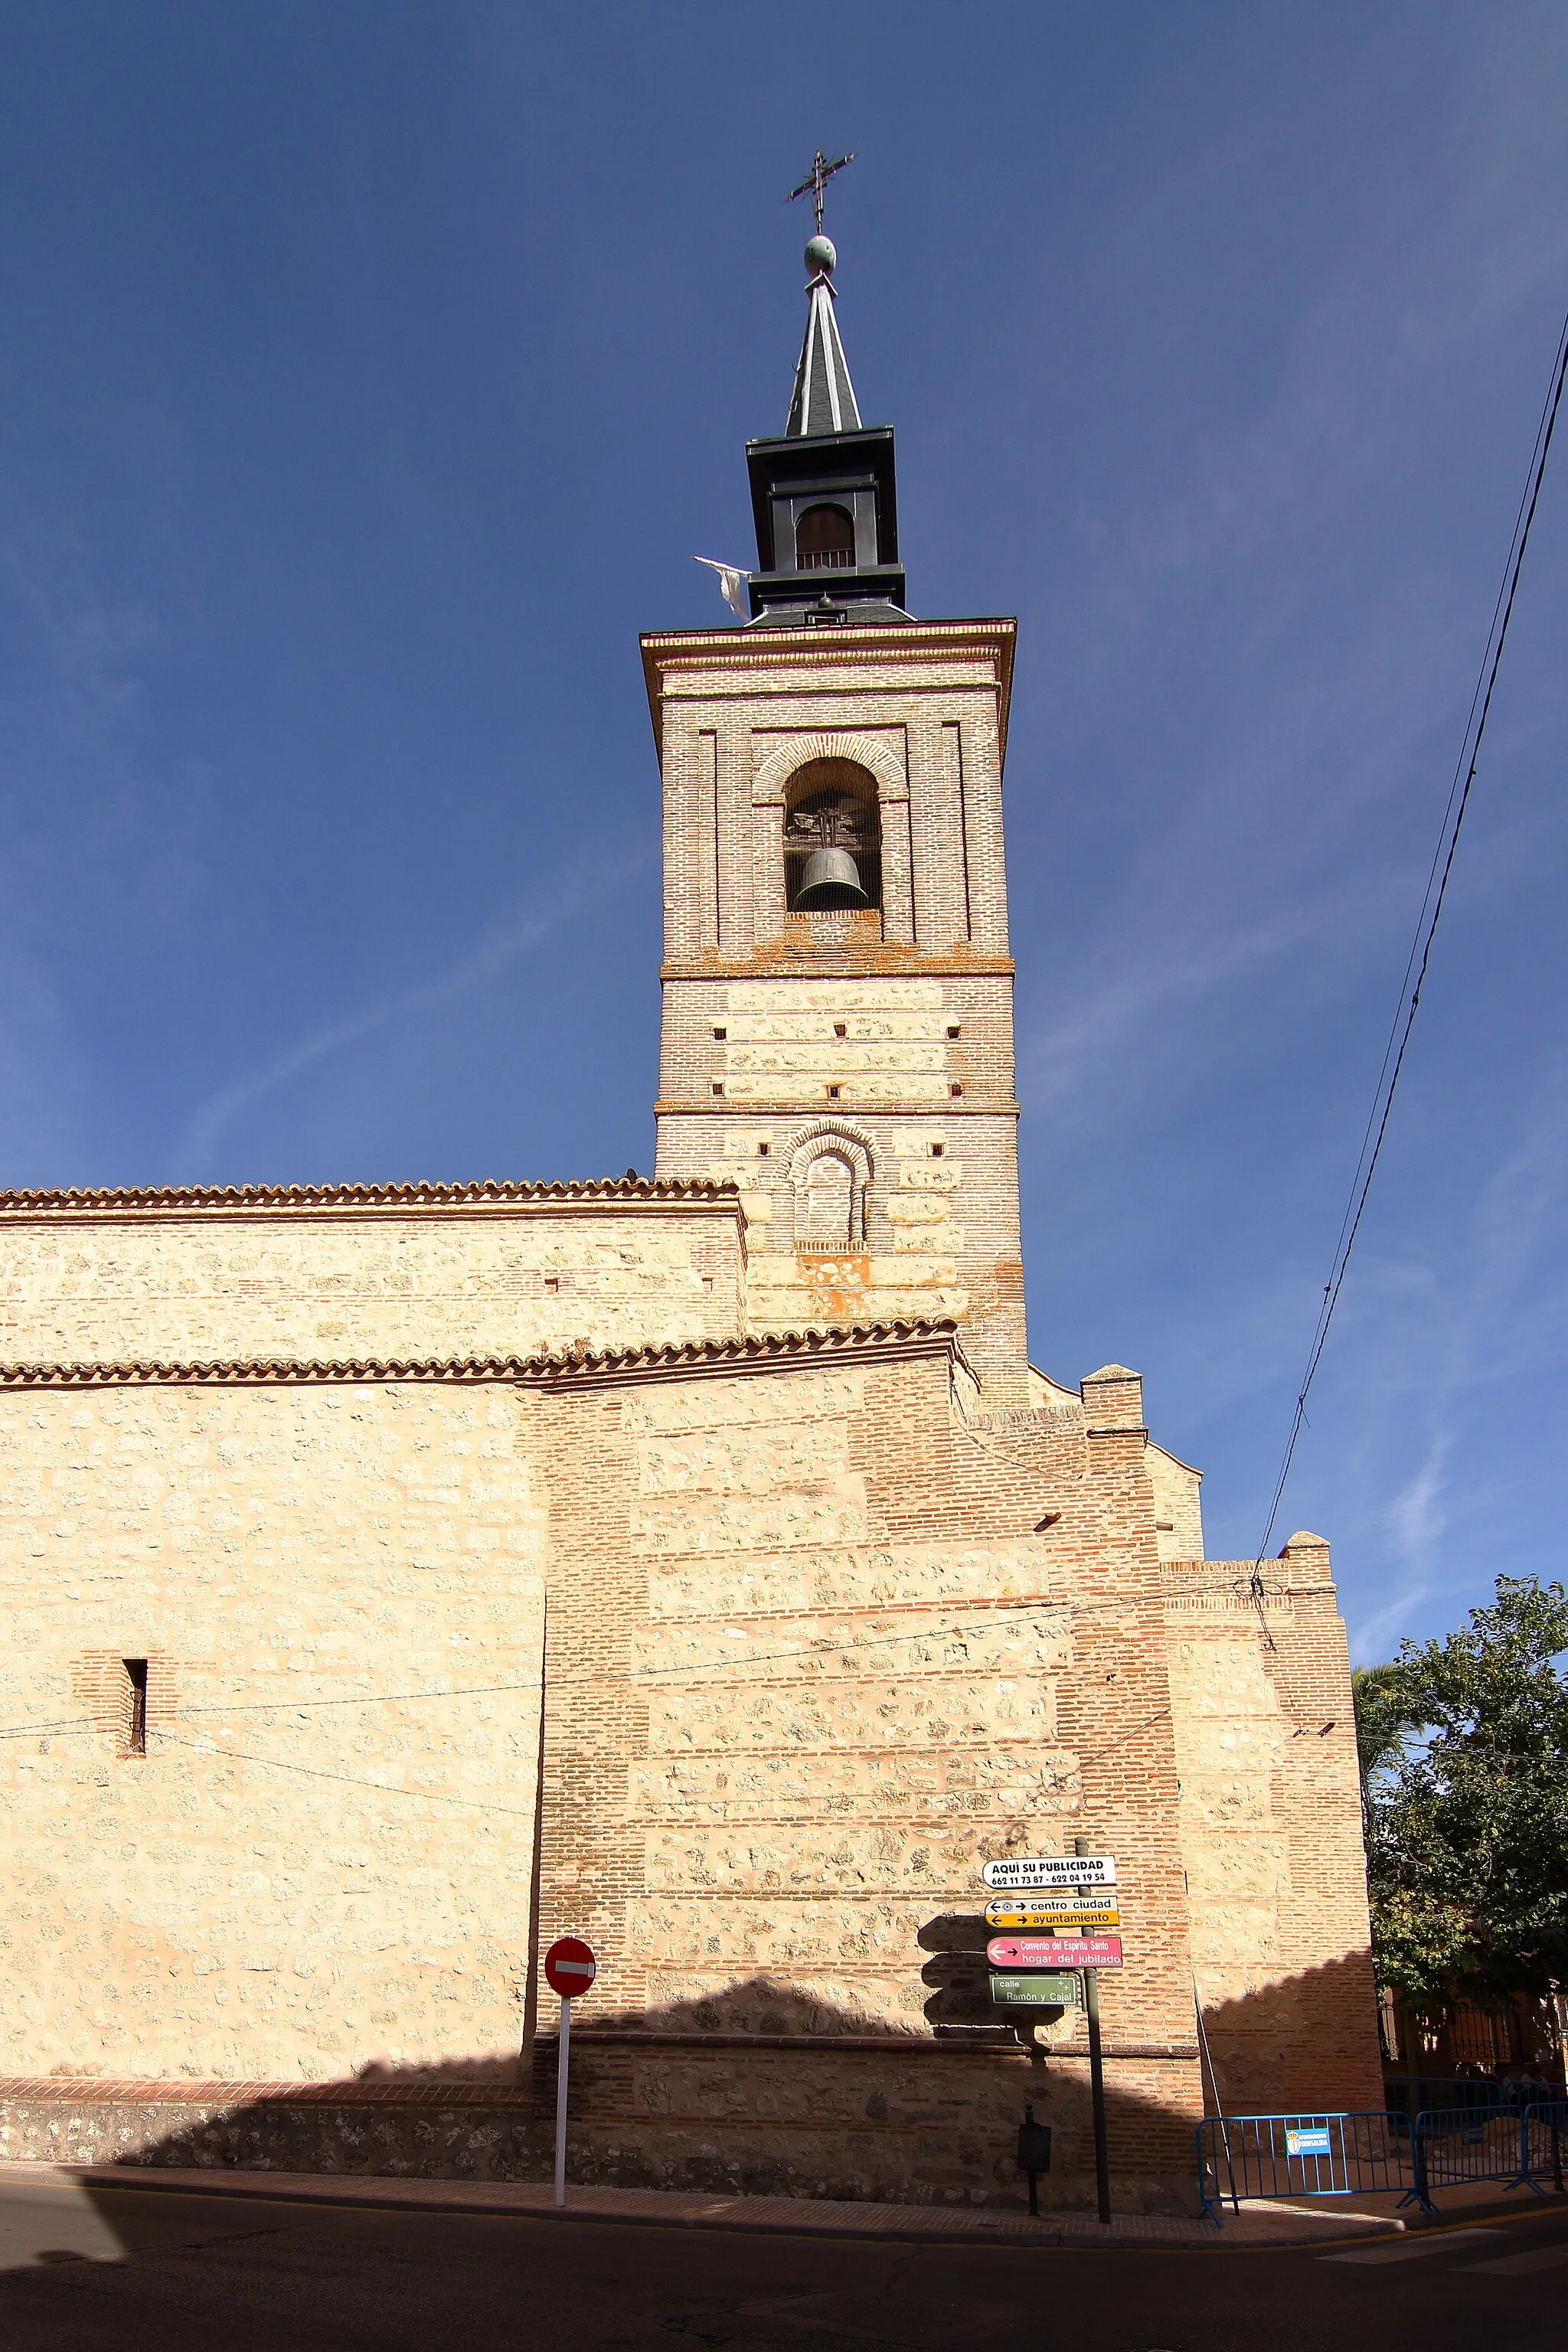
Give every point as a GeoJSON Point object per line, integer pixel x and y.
{"type": "Point", "coordinates": [838, 1028]}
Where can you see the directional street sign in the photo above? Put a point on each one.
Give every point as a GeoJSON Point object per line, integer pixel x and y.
{"type": "Point", "coordinates": [1060, 1912]}
{"type": "Point", "coordinates": [1054, 1951]}
{"type": "Point", "coordinates": [1034, 1991]}
{"type": "Point", "coordinates": [1055, 1871]}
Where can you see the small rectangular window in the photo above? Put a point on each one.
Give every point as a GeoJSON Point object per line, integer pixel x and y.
{"type": "Point", "coordinates": [718, 1087]}
{"type": "Point", "coordinates": [952, 1029]}
{"type": "Point", "coordinates": [841, 1029]}
{"type": "Point", "coordinates": [136, 1705]}
{"type": "Point", "coordinates": [937, 1149]}
{"type": "Point", "coordinates": [833, 1094]}
{"type": "Point", "coordinates": [955, 1090]}
{"type": "Point", "coordinates": [764, 1149]}
{"type": "Point", "coordinates": [720, 1033]}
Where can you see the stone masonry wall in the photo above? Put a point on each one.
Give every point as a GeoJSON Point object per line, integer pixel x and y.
{"type": "Point", "coordinates": [207, 1280]}
{"type": "Point", "coordinates": [1271, 1832]}
{"type": "Point", "coordinates": [302, 1876]}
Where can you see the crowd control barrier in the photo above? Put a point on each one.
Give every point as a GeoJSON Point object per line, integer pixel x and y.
{"type": "Point", "coordinates": [1543, 2142]}
{"type": "Point", "coordinates": [1245, 2158]}
{"type": "Point", "coordinates": [1452, 2147]}
{"type": "Point", "coordinates": [1249, 2157]}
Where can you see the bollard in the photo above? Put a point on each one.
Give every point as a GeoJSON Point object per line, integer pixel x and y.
{"type": "Point", "coordinates": [1034, 2154]}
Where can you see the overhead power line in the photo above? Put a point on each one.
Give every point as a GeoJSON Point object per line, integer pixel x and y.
{"type": "Point", "coordinates": [1427, 917]}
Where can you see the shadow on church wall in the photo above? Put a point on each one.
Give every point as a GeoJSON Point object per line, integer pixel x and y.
{"type": "Point", "coordinates": [772, 2092]}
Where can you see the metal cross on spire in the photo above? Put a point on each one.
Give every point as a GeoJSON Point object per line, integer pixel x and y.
{"type": "Point", "coordinates": [816, 179]}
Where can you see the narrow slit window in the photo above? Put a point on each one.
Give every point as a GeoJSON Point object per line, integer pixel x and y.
{"type": "Point", "coordinates": [135, 1705]}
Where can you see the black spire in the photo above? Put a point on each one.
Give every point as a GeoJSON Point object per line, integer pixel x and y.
{"type": "Point", "coordinates": [823, 497]}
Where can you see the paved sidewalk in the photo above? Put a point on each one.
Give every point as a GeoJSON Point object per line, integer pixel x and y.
{"type": "Point", "coordinates": [1262, 2225]}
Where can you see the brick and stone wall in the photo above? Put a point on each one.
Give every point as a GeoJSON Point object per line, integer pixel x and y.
{"type": "Point", "coordinates": [894, 1024]}
{"type": "Point", "coordinates": [815, 1639]}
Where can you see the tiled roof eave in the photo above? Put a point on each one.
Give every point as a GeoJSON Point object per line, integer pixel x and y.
{"type": "Point", "coordinates": [767, 1352]}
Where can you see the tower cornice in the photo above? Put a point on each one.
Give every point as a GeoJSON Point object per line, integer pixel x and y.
{"type": "Point", "coordinates": [719, 655]}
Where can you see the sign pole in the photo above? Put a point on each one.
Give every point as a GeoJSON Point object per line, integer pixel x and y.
{"type": "Point", "coordinates": [562, 2063]}
{"type": "Point", "coordinates": [1096, 2076]}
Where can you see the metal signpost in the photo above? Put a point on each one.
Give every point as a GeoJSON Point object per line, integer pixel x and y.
{"type": "Point", "coordinates": [1096, 2062]}
{"type": "Point", "coordinates": [570, 1969]}
{"type": "Point", "coordinates": [1071, 1897]}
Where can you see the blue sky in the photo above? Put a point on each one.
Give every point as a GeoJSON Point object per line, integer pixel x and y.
{"type": "Point", "coordinates": [369, 372]}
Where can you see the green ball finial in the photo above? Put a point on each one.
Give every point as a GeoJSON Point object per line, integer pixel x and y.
{"type": "Point", "coordinates": [820, 256]}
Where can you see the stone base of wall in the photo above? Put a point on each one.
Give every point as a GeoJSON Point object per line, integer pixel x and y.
{"type": "Point", "coordinates": [943, 2132]}
{"type": "Point", "coordinates": [445, 2141]}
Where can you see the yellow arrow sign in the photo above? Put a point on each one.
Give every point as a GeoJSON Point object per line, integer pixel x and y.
{"type": "Point", "coordinates": [1091, 1916]}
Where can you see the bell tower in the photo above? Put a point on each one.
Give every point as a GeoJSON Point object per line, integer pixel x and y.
{"type": "Point", "coordinates": [837, 1029]}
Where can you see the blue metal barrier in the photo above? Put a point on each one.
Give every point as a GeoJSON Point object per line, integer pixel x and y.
{"type": "Point", "coordinates": [1247, 2157]}
{"type": "Point", "coordinates": [1543, 2135]}
{"type": "Point", "coordinates": [1450, 2147]}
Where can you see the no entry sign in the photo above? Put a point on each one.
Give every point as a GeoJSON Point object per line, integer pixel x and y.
{"type": "Point", "coordinates": [1054, 1951]}
{"type": "Point", "coordinates": [570, 1967]}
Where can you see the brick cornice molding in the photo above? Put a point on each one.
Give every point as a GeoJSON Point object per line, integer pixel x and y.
{"type": "Point", "coordinates": [856, 651]}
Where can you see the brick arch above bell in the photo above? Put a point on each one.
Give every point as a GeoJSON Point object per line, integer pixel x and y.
{"type": "Point", "coordinates": [882, 752]}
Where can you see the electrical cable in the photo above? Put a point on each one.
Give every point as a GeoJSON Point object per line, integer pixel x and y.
{"type": "Point", "coordinates": [1231, 1578]}
{"type": "Point", "coordinates": [1427, 918]}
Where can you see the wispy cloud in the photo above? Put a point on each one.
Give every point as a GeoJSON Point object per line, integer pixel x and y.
{"type": "Point", "coordinates": [1519, 1208]}
{"type": "Point", "coordinates": [501, 943]}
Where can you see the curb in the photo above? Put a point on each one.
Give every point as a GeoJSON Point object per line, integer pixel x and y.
{"type": "Point", "coordinates": [286, 2189]}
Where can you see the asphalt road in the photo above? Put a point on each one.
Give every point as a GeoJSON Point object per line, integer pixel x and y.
{"type": "Point", "coordinates": [96, 2271]}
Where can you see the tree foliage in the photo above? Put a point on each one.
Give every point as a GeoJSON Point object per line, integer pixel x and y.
{"type": "Point", "coordinates": [1463, 1745]}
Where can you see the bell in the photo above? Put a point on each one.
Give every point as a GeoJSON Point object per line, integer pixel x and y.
{"type": "Point", "coordinates": [831, 879]}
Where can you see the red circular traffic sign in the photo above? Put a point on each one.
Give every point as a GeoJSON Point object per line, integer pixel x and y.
{"type": "Point", "coordinates": [570, 1967]}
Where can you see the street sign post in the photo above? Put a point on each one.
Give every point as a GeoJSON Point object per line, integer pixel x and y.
{"type": "Point", "coordinates": [1033, 1989]}
{"type": "Point", "coordinates": [1021, 1872]}
{"type": "Point", "coordinates": [1054, 1951]}
{"type": "Point", "coordinates": [570, 1969]}
{"type": "Point", "coordinates": [1096, 2057]}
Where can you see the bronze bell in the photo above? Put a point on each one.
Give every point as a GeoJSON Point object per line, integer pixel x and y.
{"type": "Point", "coordinates": [831, 878]}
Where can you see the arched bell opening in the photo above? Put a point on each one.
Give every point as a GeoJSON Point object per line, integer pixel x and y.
{"type": "Point", "coordinates": [832, 838]}
{"type": "Point", "coordinates": [825, 540]}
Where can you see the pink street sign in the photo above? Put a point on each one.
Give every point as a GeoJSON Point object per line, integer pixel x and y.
{"type": "Point", "coordinates": [1055, 1951]}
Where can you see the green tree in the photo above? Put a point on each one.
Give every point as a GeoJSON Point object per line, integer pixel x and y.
{"type": "Point", "coordinates": [1463, 1745]}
